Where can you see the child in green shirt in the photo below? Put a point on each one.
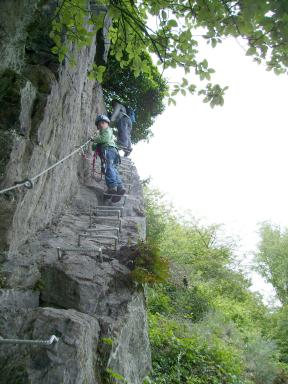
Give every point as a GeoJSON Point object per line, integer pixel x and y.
{"type": "Point", "coordinates": [105, 141]}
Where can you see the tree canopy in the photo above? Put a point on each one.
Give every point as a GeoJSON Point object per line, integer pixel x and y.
{"type": "Point", "coordinates": [272, 258]}
{"type": "Point", "coordinates": [171, 30]}
{"type": "Point", "coordinates": [206, 326]}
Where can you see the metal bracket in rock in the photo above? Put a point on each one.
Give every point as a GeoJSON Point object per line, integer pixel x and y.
{"type": "Point", "coordinates": [62, 251]}
{"type": "Point", "coordinates": [107, 218]}
{"type": "Point", "coordinates": [53, 339]}
{"type": "Point", "coordinates": [99, 239]}
{"type": "Point", "coordinates": [108, 210]}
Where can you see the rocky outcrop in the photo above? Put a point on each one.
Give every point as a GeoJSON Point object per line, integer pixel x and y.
{"type": "Point", "coordinates": [90, 303]}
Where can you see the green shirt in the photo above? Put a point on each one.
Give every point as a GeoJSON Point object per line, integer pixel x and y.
{"type": "Point", "coordinates": [105, 137]}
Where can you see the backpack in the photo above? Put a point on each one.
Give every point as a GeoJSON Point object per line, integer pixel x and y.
{"type": "Point", "coordinates": [132, 114]}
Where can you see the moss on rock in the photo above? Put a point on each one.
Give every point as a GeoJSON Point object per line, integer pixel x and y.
{"type": "Point", "coordinates": [41, 77]}
{"type": "Point", "coordinates": [10, 97]}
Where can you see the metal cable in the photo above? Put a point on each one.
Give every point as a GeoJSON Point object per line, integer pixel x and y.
{"type": "Point", "coordinates": [28, 183]}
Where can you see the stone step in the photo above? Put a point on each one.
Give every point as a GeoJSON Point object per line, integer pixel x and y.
{"type": "Point", "coordinates": [108, 212]}
{"type": "Point", "coordinates": [102, 227]}
{"type": "Point", "coordinates": [126, 178]}
{"type": "Point", "coordinates": [106, 218]}
{"type": "Point", "coordinates": [126, 165]}
{"type": "Point", "coordinates": [62, 251]}
{"type": "Point", "coordinates": [99, 238]}
{"type": "Point", "coordinates": [125, 171]}
{"type": "Point", "coordinates": [108, 209]}
{"type": "Point", "coordinates": [128, 187]}
{"type": "Point", "coordinates": [108, 229]}
{"type": "Point", "coordinates": [125, 168]}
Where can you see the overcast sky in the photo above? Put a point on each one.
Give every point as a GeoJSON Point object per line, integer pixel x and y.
{"type": "Point", "coordinates": [228, 164]}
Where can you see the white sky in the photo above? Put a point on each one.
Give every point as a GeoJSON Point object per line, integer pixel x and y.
{"type": "Point", "coordinates": [228, 164]}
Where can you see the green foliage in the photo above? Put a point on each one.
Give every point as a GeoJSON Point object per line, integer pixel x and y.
{"type": "Point", "coordinates": [149, 266]}
{"type": "Point", "coordinates": [167, 29]}
{"type": "Point", "coordinates": [181, 356]}
{"type": "Point", "coordinates": [39, 285]}
{"type": "Point", "coordinates": [206, 326]}
{"type": "Point", "coordinates": [178, 301]}
{"type": "Point", "coordinates": [144, 94]}
{"type": "Point", "coordinates": [158, 214]}
{"type": "Point", "coordinates": [271, 259]}
{"type": "Point", "coordinates": [71, 24]}
{"type": "Point", "coordinates": [111, 376]}
{"type": "Point", "coordinates": [107, 340]}
{"type": "Point", "coordinates": [214, 94]}
{"type": "Point", "coordinates": [97, 73]}
{"type": "Point", "coordinates": [261, 363]}
{"type": "Point", "coordinates": [279, 331]}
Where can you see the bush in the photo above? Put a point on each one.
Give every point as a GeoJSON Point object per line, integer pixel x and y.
{"type": "Point", "coordinates": [149, 267]}
{"type": "Point", "coordinates": [260, 361]}
{"type": "Point", "coordinates": [188, 303]}
{"type": "Point", "coordinates": [182, 357]}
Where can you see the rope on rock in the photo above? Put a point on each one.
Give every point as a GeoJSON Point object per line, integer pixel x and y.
{"type": "Point", "coordinates": [53, 339]}
{"type": "Point", "coordinates": [29, 182]}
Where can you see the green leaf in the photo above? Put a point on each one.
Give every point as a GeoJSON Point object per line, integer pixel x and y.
{"type": "Point", "coordinates": [184, 82]}
{"type": "Point", "coordinates": [172, 23]}
{"type": "Point", "coordinates": [115, 375]}
{"type": "Point", "coordinates": [251, 51]}
{"type": "Point", "coordinates": [192, 88]}
{"type": "Point", "coordinates": [107, 340]}
{"type": "Point", "coordinates": [164, 14]}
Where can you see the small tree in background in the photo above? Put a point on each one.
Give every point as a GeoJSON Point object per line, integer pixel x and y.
{"type": "Point", "coordinates": [271, 259]}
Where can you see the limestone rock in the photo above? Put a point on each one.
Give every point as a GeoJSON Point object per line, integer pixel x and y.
{"type": "Point", "coordinates": [46, 111]}
{"type": "Point", "coordinates": [73, 358]}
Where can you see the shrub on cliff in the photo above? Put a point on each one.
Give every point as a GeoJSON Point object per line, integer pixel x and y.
{"type": "Point", "coordinates": [149, 266]}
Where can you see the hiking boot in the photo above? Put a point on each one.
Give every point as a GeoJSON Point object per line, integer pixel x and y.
{"type": "Point", "coordinates": [116, 198]}
{"type": "Point", "coordinates": [111, 191]}
{"type": "Point", "coordinates": [121, 190]}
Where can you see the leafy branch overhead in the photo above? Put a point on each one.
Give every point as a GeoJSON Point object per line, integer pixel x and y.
{"type": "Point", "coordinates": [171, 31]}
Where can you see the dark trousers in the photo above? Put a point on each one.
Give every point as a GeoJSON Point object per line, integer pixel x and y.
{"type": "Point", "coordinates": [124, 128]}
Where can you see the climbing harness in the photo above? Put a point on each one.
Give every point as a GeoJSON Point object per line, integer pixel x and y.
{"type": "Point", "coordinates": [97, 153]}
{"type": "Point", "coordinates": [101, 153]}
{"type": "Point", "coordinates": [29, 182]}
{"type": "Point", "coordinates": [53, 339]}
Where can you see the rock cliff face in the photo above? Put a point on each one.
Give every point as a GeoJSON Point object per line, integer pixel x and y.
{"type": "Point", "coordinates": [85, 298]}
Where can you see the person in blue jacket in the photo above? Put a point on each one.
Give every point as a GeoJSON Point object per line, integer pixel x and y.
{"type": "Point", "coordinates": [124, 126]}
